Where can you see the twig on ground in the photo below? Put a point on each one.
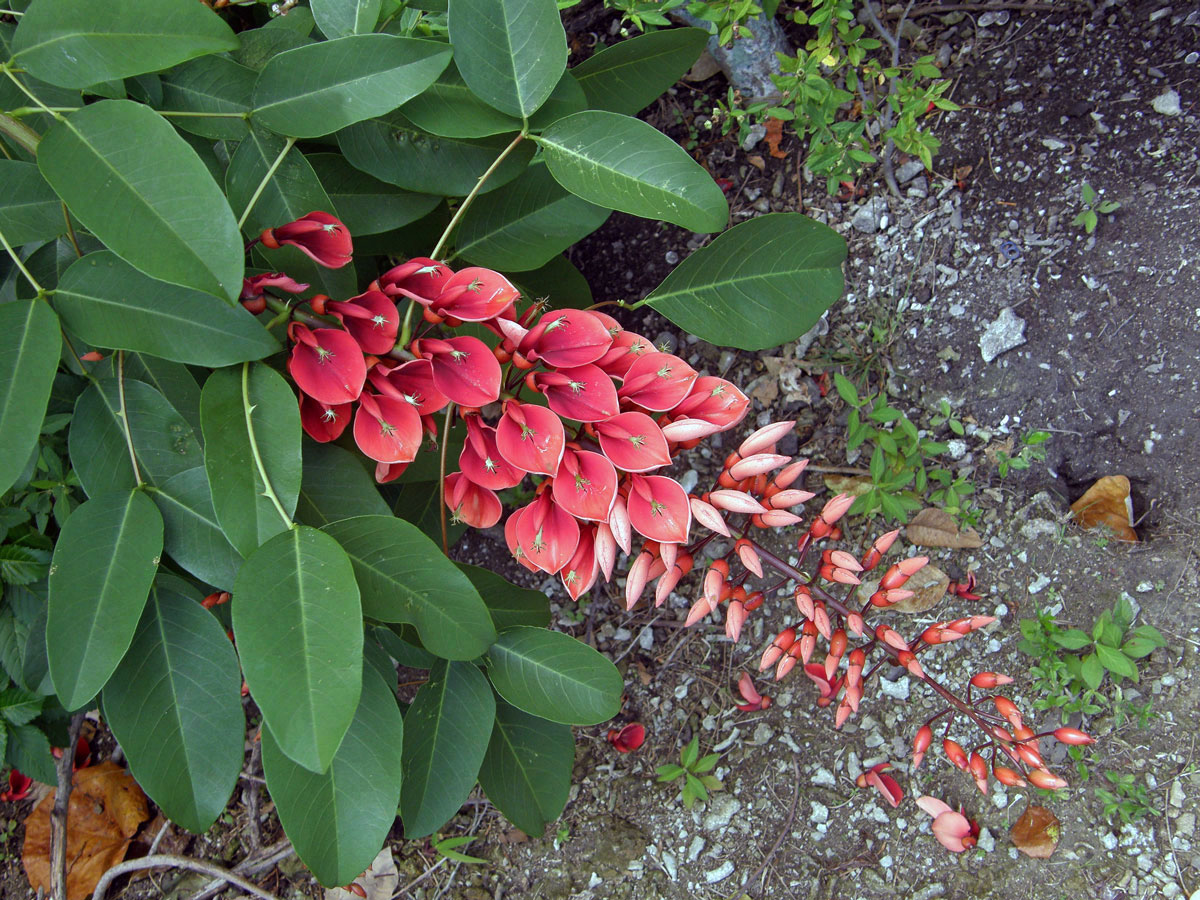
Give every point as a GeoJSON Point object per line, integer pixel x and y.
{"type": "Point", "coordinates": [250, 794]}
{"type": "Point", "coordinates": [58, 816]}
{"type": "Point", "coordinates": [250, 867]}
{"type": "Point", "coordinates": [783, 832]}
{"type": "Point", "coordinates": [176, 862]}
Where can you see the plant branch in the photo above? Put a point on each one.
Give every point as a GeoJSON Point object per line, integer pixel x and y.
{"type": "Point", "coordinates": [137, 475]}
{"type": "Point", "coordinates": [250, 866]}
{"type": "Point", "coordinates": [163, 860]}
{"type": "Point", "coordinates": [71, 230]}
{"type": "Point", "coordinates": [20, 264]}
{"type": "Point", "coordinates": [462, 207]}
{"type": "Point", "coordinates": [268, 489]}
{"type": "Point", "coordinates": [58, 816]}
{"type": "Point", "coordinates": [28, 93]}
{"type": "Point", "coordinates": [262, 185]}
{"type": "Point", "coordinates": [19, 133]}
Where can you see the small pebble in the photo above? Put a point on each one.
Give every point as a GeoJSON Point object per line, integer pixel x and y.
{"type": "Point", "coordinates": [720, 873]}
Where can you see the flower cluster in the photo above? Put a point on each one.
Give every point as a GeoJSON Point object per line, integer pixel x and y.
{"type": "Point", "coordinates": [588, 409]}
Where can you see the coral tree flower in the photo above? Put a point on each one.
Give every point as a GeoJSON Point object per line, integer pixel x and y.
{"type": "Point", "coordinates": [19, 786]}
{"type": "Point", "coordinates": [255, 286]}
{"type": "Point", "coordinates": [327, 364]}
{"type": "Point", "coordinates": [322, 422]}
{"type": "Point", "coordinates": [886, 785]}
{"type": "Point", "coordinates": [627, 739]}
{"type": "Point", "coordinates": [952, 829]}
{"type": "Point", "coordinates": [371, 319]}
{"type": "Point", "coordinates": [318, 235]}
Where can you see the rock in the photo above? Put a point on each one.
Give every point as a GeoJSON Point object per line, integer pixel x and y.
{"type": "Point", "coordinates": [909, 171]}
{"type": "Point", "coordinates": [1002, 335]}
{"type": "Point", "coordinates": [820, 812]}
{"type": "Point", "coordinates": [1053, 144]}
{"type": "Point", "coordinates": [753, 135]}
{"type": "Point", "coordinates": [720, 873]}
{"type": "Point", "coordinates": [750, 62]}
{"type": "Point", "coordinates": [1167, 103]}
{"type": "Point", "coordinates": [870, 215]}
{"type": "Point", "coordinates": [824, 778]}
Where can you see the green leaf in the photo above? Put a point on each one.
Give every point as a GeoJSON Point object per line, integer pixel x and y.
{"type": "Point", "coordinates": [447, 729]}
{"type": "Point", "coordinates": [298, 624]}
{"type": "Point", "coordinates": [77, 43]}
{"type": "Point", "coordinates": [627, 77]}
{"type": "Point", "coordinates": [142, 190]}
{"type": "Point", "coordinates": [29, 751]}
{"type": "Point", "coordinates": [335, 486]}
{"type": "Point", "coordinates": [404, 577]}
{"type": "Point", "coordinates": [292, 191]}
{"type": "Point", "coordinates": [172, 380]}
{"type": "Point", "coordinates": [669, 772]}
{"type": "Point", "coordinates": [175, 705]}
{"type": "Point", "coordinates": [164, 442]}
{"type": "Point", "coordinates": [109, 303]}
{"type": "Point", "coordinates": [1122, 613]}
{"type": "Point", "coordinates": [338, 18]}
{"type": "Point", "coordinates": [104, 563]}
{"type": "Point", "coordinates": [449, 108]}
{"type": "Point", "coordinates": [240, 408]}
{"type": "Point", "coordinates": [446, 848]}
{"type": "Point", "coordinates": [319, 88]}
{"type": "Point", "coordinates": [554, 676]}
{"type": "Point", "coordinates": [1138, 647]}
{"type": "Point", "coordinates": [511, 53]}
{"type": "Point", "coordinates": [22, 565]}
{"type": "Point", "coordinates": [1116, 662]}
{"type": "Point", "coordinates": [590, 155]}
{"type": "Point", "coordinates": [211, 84]}
{"type": "Point", "coordinates": [394, 151]}
{"type": "Point", "coordinates": [526, 223]}
{"type": "Point", "coordinates": [690, 753]}
{"type": "Point", "coordinates": [507, 603]}
{"type": "Point", "coordinates": [526, 772]}
{"type": "Point", "coordinates": [338, 820]}
{"type": "Point", "coordinates": [367, 205]}
{"type": "Point", "coordinates": [260, 45]}
{"type": "Point", "coordinates": [18, 707]}
{"type": "Point", "coordinates": [29, 350]}
{"type": "Point", "coordinates": [1072, 639]}
{"type": "Point", "coordinates": [846, 390]}
{"type": "Point", "coordinates": [191, 535]}
{"type": "Point", "coordinates": [760, 284]}
{"type": "Point", "coordinates": [559, 282]}
{"type": "Point", "coordinates": [29, 209]}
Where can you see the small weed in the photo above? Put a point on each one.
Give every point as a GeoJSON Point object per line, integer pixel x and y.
{"type": "Point", "coordinates": [1031, 451]}
{"type": "Point", "coordinates": [1129, 799]}
{"type": "Point", "coordinates": [447, 847]}
{"type": "Point", "coordinates": [693, 769]}
{"type": "Point", "coordinates": [1093, 208]}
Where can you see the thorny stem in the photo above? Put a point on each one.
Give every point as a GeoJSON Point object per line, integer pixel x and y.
{"type": "Point", "coordinates": [58, 817]}
{"type": "Point", "coordinates": [137, 475]}
{"type": "Point", "coordinates": [262, 185]}
{"type": "Point", "coordinates": [462, 207]}
{"type": "Point", "coordinates": [268, 489]}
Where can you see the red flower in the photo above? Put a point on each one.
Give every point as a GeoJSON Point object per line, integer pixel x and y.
{"type": "Point", "coordinates": [475, 505]}
{"type": "Point", "coordinates": [633, 442]}
{"type": "Point", "coordinates": [371, 319]}
{"type": "Point", "coordinates": [566, 339]}
{"type": "Point", "coordinates": [657, 381]}
{"type": "Point", "coordinates": [19, 786]}
{"type": "Point", "coordinates": [885, 784]}
{"type": "Point", "coordinates": [253, 287]}
{"type": "Point", "coordinates": [582, 393]}
{"type": "Point", "coordinates": [954, 830]}
{"type": "Point", "coordinates": [627, 739]}
{"type": "Point", "coordinates": [322, 422]}
{"type": "Point", "coordinates": [464, 369]}
{"type": "Point", "coordinates": [585, 485]}
{"type": "Point", "coordinates": [531, 438]}
{"type": "Point", "coordinates": [386, 429]}
{"type": "Point", "coordinates": [327, 364]}
{"type": "Point", "coordinates": [658, 508]}
{"type": "Point", "coordinates": [547, 534]}
{"type": "Point", "coordinates": [318, 235]}
{"type": "Point", "coordinates": [580, 573]}
{"type": "Point", "coordinates": [714, 400]}
{"type": "Point", "coordinates": [411, 382]}
{"type": "Point", "coordinates": [475, 295]}
{"type": "Point", "coordinates": [419, 279]}
{"type": "Point", "coordinates": [482, 462]}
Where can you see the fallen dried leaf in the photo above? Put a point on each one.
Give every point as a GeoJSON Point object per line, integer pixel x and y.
{"type": "Point", "coordinates": [854, 485]}
{"type": "Point", "coordinates": [774, 136]}
{"type": "Point", "coordinates": [757, 161]}
{"type": "Point", "coordinates": [1107, 503]}
{"type": "Point", "coordinates": [1036, 833]}
{"type": "Point", "coordinates": [103, 815]}
{"type": "Point", "coordinates": [928, 587]}
{"type": "Point", "coordinates": [644, 675]}
{"type": "Point", "coordinates": [933, 527]}
{"type": "Point", "coordinates": [379, 882]}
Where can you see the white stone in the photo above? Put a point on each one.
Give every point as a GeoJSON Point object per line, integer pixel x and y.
{"type": "Point", "coordinates": [720, 873]}
{"type": "Point", "coordinates": [820, 812]}
{"type": "Point", "coordinates": [1167, 103]}
{"type": "Point", "coordinates": [824, 778]}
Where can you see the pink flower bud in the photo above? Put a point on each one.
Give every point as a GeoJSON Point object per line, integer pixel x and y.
{"type": "Point", "coordinates": [763, 440]}
{"type": "Point", "coordinates": [1073, 736]}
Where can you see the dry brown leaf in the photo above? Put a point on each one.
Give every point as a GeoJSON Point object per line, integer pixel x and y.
{"type": "Point", "coordinates": [933, 527]}
{"type": "Point", "coordinates": [1107, 503]}
{"type": "Point", "coordinates": [104, 813]}
{"type": "Point", "coordinates": [854, 485]}
{"type": "Point", "coordinates": [928, 586]}
{"type": "Point", "coordinates": [644, 675]}
{"type": "Point", "coordinates": [757, 161]}
{"type": "Point", "coordinates": [378, 882]}
{"type": "Point", "coordinates": [774, 136]}
{"type": "Point", "coordinates": [1036, 833]}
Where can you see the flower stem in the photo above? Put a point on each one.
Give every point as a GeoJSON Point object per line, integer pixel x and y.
{"type": "Point", "coordinates": [462, 207]}
{"type": "Point", "coordinates": [270, 173]}
{"type": "Point", "coordinates": [268, 490]}
{"type": "Point", "coordinates": [137, 475]}
{"type": "Point", "coordinates": [442, 476]}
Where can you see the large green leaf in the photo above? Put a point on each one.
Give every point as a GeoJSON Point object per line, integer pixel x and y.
{"type": "Point", "coordinates": [507, 603]}
{"type": "Point", "coordinates": [404, 577]}
{"type": "Point", "coordinates": [554, 676]}
{"type": "Point", "coordinates": [29, 208]}
{"type": "Point", "coordinates": [242, 409]}
{"type": "Point", "coordinates": [77, 43]}
{"type": "Point", "coordinates": [760, 284]}
{"type": "Point", "coordinates": [109, 303]}
{"type": "Point", "coordinates": [292, 191]}
{"type": "Point", "coordinates": [526, 771]}
{"type": "Point", "coordinates": [447, 729]}
{"type": "Point", "coordinates": [319, 88]}
{"type": "Point", "coordinates": [175, 705]}
{"type": "Point", "coordinates": [211, 84]}
{"type": "Point", "coordinates": [367, 205]}
{"type": "Point", "coordinates": [164, 443]}
{"type": "Point", "coordinates": [172, 380]}
{"type": "Point", "coordinates": [104, 563]}
{"type": "Point", "coordinates": [338, 18]}
{"type": "Point", "coordinates": [191, 535]}
{"type": "Point", "coordinates": [338, 820]}
{"type": "Point", "coordinates": [29, 751]}
{"type": "Point", "coordinates": [526, 223]}
{"type": "Point", "coordinates": [394, 151]}
{"type": "Point", "coordinates": [629, 76]}
{"type": "Point", "coordinates": [623, 163]}
{"type": "Point", "coordinates": [335, 486]}
{"type": "Point", "coordinates": [138, 186]}
{"type": "Point", "coordinates": [29, 349]}
{"type": "Point", "coordinates": [511, 53]}
{"type": "Point", "coordinates": [559, 282]}
{"type": "Point", "coordinates": [298, 624]}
